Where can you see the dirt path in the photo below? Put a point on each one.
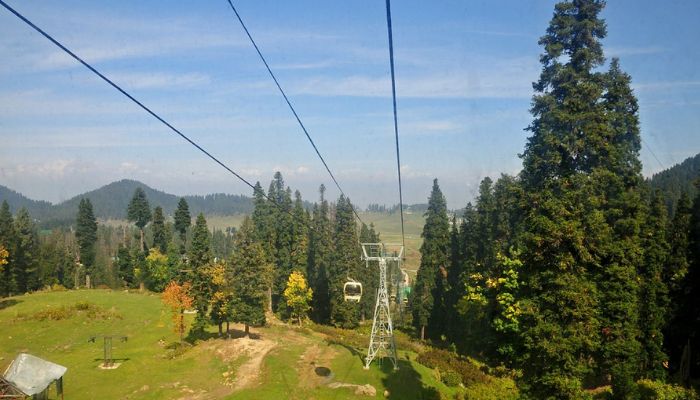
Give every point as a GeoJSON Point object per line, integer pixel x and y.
{"type": "Point", "coordinates": [256, 350]}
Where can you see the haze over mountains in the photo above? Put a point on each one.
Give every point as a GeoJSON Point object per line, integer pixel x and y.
{"type": "Point", "coordinates": [110, 201]}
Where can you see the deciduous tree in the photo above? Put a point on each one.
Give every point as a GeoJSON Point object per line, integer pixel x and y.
{"type": "Point", "coordinates": [298, 296]}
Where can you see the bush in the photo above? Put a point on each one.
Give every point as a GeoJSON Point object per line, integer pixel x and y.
{"type": "Point", "coordinates": [654, 390]}
{"type": "Point", "coordinates": [450, 378]}
{"type": "Point", "coordinates": [444, 360]}
{"type": "Point", "coordinates": [91, 311]}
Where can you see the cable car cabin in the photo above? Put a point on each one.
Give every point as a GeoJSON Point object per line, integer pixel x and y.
{"type": "Point", "coordinates": [352, 291]}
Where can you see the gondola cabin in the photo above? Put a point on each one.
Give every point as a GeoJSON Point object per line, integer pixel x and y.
{"type": "Point", "coordinates": [352, 291]}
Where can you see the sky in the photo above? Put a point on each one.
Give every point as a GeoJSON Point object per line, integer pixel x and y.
{"type": "Point", "coordinates": [464, 73]}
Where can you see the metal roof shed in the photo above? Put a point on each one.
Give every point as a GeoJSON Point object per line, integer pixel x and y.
{"type": "Point", "coordinates": [33, 375]}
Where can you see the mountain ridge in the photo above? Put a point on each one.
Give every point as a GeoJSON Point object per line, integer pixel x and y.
{"type": "Point", "coordinates": [110, 202]}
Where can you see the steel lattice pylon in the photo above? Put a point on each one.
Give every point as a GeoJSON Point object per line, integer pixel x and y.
{"type": "Point", "coordinates": [382, 337]}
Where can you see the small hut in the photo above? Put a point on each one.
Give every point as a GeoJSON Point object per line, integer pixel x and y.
{"type": "Point", "coordinates": [30, 376]}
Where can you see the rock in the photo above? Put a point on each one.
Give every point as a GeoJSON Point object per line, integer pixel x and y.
{"type": "Point", "coordinates": [366, 390]}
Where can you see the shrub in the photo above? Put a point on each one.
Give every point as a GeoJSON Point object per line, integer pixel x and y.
{"type": "Point", "coordinates": [91, 311]}
{"type": "Point", "coordinates": [655, 390]}
{"type": "Point", "coordinates": [444, 360]}
{"type": "Point", "coordinates": [450, 378]}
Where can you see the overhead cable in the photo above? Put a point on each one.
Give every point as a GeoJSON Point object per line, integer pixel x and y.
{"type": "Point", "coordinates": [289, 103]}
{"type": "Point", "coordinates": [396, 123]}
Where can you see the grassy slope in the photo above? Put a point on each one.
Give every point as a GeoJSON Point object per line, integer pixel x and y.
{"type": "Point", "coordinates": [66, 342]}
{"type": "Point", "coordinates": [287, 371]}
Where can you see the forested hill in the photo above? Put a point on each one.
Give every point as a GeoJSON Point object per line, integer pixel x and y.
{"type": "Point", "coordinates": [111, 201]}
{"type": "Point", "coordinates": [676, 180]}
{"type": "Point", "coordinates": [38, 208]}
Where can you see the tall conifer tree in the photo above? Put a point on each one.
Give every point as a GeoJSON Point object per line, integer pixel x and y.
{"type": "Point", "coordinates": [199, 257]}
{"type": "Point", "coordinates": [86, 234]}
{"type": "Point", "coordinates": [654, 292]}
{"type": "Point", "coordinates": [319, 259]}
{"type": "Point", "coordinates": [25, 263]}
{"type": "Point", "coordinates": [248, 278]}
{"type": "Point", "coordinates": [183, 220]}
{"type": "Point", "coordinates": [160, 235]}
{"type": "Point", "coordinates": [345, 264]}
{"type": "Point", "coordinates": [8, 240]}
{"type": "Point", "coordinates": [581, 180]}
{"type": "Point", "coordinates": [139, 212]}
{"type": "Point", "coordinates": [435, 253]}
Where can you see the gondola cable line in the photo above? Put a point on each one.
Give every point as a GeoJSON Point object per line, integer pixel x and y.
{"type": "Point", "coordinates": [289, 103]}
{"type": "Point", "coordinates": [147, 109]}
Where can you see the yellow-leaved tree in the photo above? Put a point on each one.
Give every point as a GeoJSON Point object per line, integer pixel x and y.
{"type": "Point", "coordinates": [221, 297]}
{"type": "Point", "coordinates": [179, 299]}
{"type": "Point", "coordinates": [298, 295]}
{"type": "Point", "coordinates": [4, 254]}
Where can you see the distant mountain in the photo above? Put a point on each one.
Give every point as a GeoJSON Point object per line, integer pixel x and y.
{"type": "Point", "coordinates": [37, 208]}
{"type": "Point", "coordinates": [111, 201]}
{"type": "Point", "coordinates": [676, 180]}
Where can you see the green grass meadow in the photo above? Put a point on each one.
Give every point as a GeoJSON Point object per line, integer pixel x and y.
{"type": "Point", "coordinates": [52, 325]}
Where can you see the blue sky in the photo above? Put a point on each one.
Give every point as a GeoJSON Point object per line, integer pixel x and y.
{"type": "Point", "coordinates": [464, 73]}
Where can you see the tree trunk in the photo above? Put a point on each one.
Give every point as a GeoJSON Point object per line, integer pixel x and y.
{"type": "Point", "coordinates": [181, 324]}
{"type": "Point", "coordinates": [269, 299]}
{"type": "Point", "coordinates": [300, 321]}
{"type": "Point", "coordinates": [247, 330]}
{"type": "Point", "coordinates": [221, 329]}
{"type": "Point", "coordinates": [422, 332]}
{"type": "Point", "coordinates": [141, 229]}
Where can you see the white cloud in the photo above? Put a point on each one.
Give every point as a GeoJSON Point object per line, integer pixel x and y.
{"type": "Point", "coordinates": [668, 85]}
{"type": "Point", "coordinates": [633, 51]}
{"type": "Point", "coordinates": [496, 79]}
{"type": "Point", "coordinates": [160, 80]}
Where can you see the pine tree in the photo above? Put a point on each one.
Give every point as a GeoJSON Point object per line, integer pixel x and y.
{"type": "Point", "coordinates": [263, 229]}
{"type": "Point", "coordinates": [675, 337]}
{"type": "Point", "coordinates": [125, 265]}
{"type": "Point", "coordinates": [139, 212]}
{"type": "Point", "coordinates": [280, 212]}
{"type": "Point", "coordinates": [678, 240]}
{"type": "Point", "coordinates": [581, 241]}
{"type": "Point", "coordinates": [248, 277]}
{"type": "Point", "coordinates": [199, 257]}
{"type": "Point", "coordinates": [300, 234]}
{"type": "Point", "coordinates": [345, 264]}
{"type": "Point", "coordinates": [654, 292]}
{"type": "Point", "coordinates": [7, 239]}
{"type": "Point", "coordinates": [686, 324]}
{"type": "Point", "coordinates": [183, 220]}
{"type": "Point", "coordinates": [319, 259]}
{"type": "Point", "coordinates": [25, 262]}
{"type": "Point", "coordinates": [160, 234]}
{"type": "Point", "coordinates": [200, 251]}
{"type": "Point", "coordinates": [369, 278]}
{"type": "Point", "coordinates": [435, 253]}
{"type": "Point", "coordinates": [86, 235]}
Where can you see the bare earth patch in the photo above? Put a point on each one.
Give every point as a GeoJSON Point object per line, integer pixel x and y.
{"type": "Point", "coordinates": [314, 365]}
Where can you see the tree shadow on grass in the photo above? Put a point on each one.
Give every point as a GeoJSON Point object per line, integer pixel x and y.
{"type": "Point", "coordinates": [405, 383]}
{"type": "Point", "coordinates": [355, 352]}
{"type": "Point", "coordinates": [8, 303]}
{"type": "Point", "coordinates": [193, 337]}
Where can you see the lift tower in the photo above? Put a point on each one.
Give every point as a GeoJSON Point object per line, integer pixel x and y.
{"type": "Point", "coordinates": [382, 337]}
